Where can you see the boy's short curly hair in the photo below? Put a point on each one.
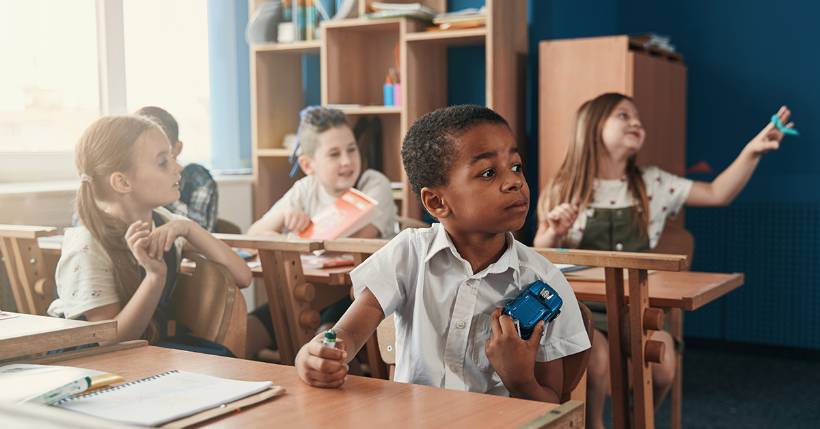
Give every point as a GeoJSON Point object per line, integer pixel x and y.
{"type": "Point", "coordinates": [313, 121]}
{"type": "Point", "coordinates": [429, 147]}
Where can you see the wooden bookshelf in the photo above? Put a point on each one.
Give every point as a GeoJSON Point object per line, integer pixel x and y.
{"type": "Point", "coordinates": [472, 36]}
{"type": "Point", "coordinates": [303, 47]}
{"type": "Point", "coordinates": [354, 56]}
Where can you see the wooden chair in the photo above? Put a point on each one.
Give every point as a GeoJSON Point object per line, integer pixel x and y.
{"type": "Point", "coordinates": [293, 302]}
{"type": "Point", "coordinates": [408, 222]}
{"type": "Point", "coordinates": [575, 366]}
{"type": "Point", "coordinates": [206, 301]}
{"type": "Point", "coordinates": [224, 226]}
{"type": "Point", "coordinates": [676, 240]}
{"type": "Point", "coordinates": [30, 272]}
{"type": "Point", "coordinates": [640, 320]}
{"type": "Point", "coordinates": [209, 303]}
{"type": "Point", "coordinates": [361, 248]}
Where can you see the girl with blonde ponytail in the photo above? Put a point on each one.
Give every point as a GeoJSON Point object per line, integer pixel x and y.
{"type": "Point", "coordinates": [121, 262]}
{"type": "Point", "coordinates": [601, 200]}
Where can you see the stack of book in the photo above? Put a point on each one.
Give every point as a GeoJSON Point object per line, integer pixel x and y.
{"type": "Point", "coordinates": [383, 10]}
{"type": "Point", "coordinates": [305, 16]}
{"type": "Point", "coordinates": [462, 19]}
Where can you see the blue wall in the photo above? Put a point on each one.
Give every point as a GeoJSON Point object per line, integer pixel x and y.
{"type": "Point", "coordinates": [743, 64]}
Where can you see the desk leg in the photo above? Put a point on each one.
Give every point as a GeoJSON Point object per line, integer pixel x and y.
{"type": "Point", "coordinates": [676, 328]}
{"type": "Point", "coordinates": [615, 310]}
{"type": "Point", "coordinates": [643, 410]}
{"type": "Point", "coordinates": [275, 278]}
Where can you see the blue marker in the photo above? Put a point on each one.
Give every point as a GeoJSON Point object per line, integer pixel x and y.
{"type": "Point", "coordinates": [783, 129]}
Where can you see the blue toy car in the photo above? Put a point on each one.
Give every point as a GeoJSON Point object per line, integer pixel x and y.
{"type": "Point", "coordinates": [539, 301]}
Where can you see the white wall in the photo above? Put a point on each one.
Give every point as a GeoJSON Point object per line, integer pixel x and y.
{"type": "Point", "coordinates": [52, 203]}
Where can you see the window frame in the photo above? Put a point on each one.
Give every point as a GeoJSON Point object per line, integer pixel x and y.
{"type": "Point", "coordinates": [27, 166]}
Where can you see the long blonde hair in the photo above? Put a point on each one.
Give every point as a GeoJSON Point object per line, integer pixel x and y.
{"type": "Point", "coordinates": [574, 182]}
{"type": "Point", "coordinates": [106, 147]}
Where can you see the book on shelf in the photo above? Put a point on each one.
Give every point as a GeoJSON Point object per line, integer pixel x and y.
{"type": "Point", "coordinates": [351, 212]}
{"type": "Point", "coordinates": [382, 10]}
{"type": "Point", "coordinates": [462, 19]}
{"type": "Point", "coordinates": [49, 383]}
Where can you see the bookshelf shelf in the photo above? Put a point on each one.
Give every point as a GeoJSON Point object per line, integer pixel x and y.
{"type": "Point", "coordinates": [473, 36]}
{"type": "Point", "coordinates": [364, 24]}
{"type": "Point", "coordinates": [308, 47]}
{"type": "Point", "coordinates": [354, 57]}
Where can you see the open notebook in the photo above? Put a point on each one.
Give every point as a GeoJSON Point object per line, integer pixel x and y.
{"type": "Point", "coordinates": [162, 398]}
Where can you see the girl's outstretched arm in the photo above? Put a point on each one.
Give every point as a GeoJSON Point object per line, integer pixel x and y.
{"type": "Point", "coordinates": [731, 181]}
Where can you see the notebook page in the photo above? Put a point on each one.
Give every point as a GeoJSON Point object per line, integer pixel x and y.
{"type": "Point", "coordinates": [163, 398]}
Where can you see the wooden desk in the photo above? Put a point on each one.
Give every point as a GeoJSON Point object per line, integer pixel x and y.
{"type": "Point", "coordinates": [26, 334]}
{"type": "Point", "coordinates": [362, 402]}
{"type": "Point", "coordinates": [686, 290]}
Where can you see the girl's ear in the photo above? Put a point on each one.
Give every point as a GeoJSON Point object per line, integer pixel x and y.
{"type": "Point", "coordinates": [119, 183]}
{"type": "Point", "coordinates": [434, 203]}
{"type": "Point", "coordinates": [177, 149]}
{"type": "Point", "coordinates": [306, 164]}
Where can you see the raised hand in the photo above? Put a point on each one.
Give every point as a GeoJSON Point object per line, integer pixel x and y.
{"type": "Point", "coordinates": [768, 139]}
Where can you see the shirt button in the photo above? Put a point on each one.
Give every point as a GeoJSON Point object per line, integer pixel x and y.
{"type": "Point", "coordinates": [460, 324]}
{"type": "Point", "coordinates": [619, 246]}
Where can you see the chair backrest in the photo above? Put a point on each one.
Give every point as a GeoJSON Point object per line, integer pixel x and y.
{"type": "Point", "coordinates": [575, 366]}
{"type": "Point", "coordinates": [31, 276]}
{"type": "Point", "coordinates": [386, 334]}
{"type": "Point", "coordinates": [676, 239]}
{"type": "Point", "coordinates": [211, 305]}
{"type": "Point", "coordinates": [408, 222]}
{"type": "Point", "coordinates": [224, 226]}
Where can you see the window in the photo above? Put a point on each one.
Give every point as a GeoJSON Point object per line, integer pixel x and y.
{"type": "Point", "coordinates": [49, 85]}
{"type": "Point", "coordinates": [58, 76]}
{"type": "Point", "coordinates": [166, 65]}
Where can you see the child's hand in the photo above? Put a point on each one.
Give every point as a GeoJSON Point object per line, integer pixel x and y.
{"type": "Point", "coordinates": [138, 239]}
{"type": "Point", "coordinates": [512, 357]}
{"type": "Point", "coordinates": [769, 138]}
{"type": "Point", "coordinates": [162, 239]}
{"type": "Point", "coordinates": [561, 218]}
{"type": "Point", "coordinates": [296, 220]}
{"type": "Point", "coordinates": [321, 366]}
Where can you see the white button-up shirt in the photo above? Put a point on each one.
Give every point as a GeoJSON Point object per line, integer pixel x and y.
{"type": "Point", "coordinates": [443, 309]}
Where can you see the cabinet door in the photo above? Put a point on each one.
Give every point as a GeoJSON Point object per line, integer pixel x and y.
{"type": "Point", "coordinates": [660, 95]}
{"type": "Point", "coordinates": [572, 72]}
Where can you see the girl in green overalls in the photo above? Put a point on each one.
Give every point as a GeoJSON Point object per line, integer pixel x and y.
{"type": "Point", "coordinates": [601, 200]}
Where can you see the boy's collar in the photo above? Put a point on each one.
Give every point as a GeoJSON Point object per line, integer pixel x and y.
{"type": "Point", "coordinates": [507, 260]}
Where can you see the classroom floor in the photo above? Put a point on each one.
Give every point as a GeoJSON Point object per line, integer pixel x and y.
{"type": "Point", "coordinates": [738, 386]}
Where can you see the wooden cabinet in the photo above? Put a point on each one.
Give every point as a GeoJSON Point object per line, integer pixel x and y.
{"type": "Point", "coordinates": [576, 70]}
{"type": "Point", "coordinates": [354, 57]}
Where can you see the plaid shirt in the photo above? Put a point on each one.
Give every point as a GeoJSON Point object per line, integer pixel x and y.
{"type": "Point", "coordinates": [198, 196]}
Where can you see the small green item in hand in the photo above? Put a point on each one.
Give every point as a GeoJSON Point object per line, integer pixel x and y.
{"type": "Point", "coordinates": [783, 129]}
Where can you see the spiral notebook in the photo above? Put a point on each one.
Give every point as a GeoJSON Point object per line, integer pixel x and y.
{"type": "Point", "coordinates": [162, 398]}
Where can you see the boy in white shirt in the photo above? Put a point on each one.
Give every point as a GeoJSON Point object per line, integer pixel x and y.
{"type": "Point", "coordinates": [445, 284]}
